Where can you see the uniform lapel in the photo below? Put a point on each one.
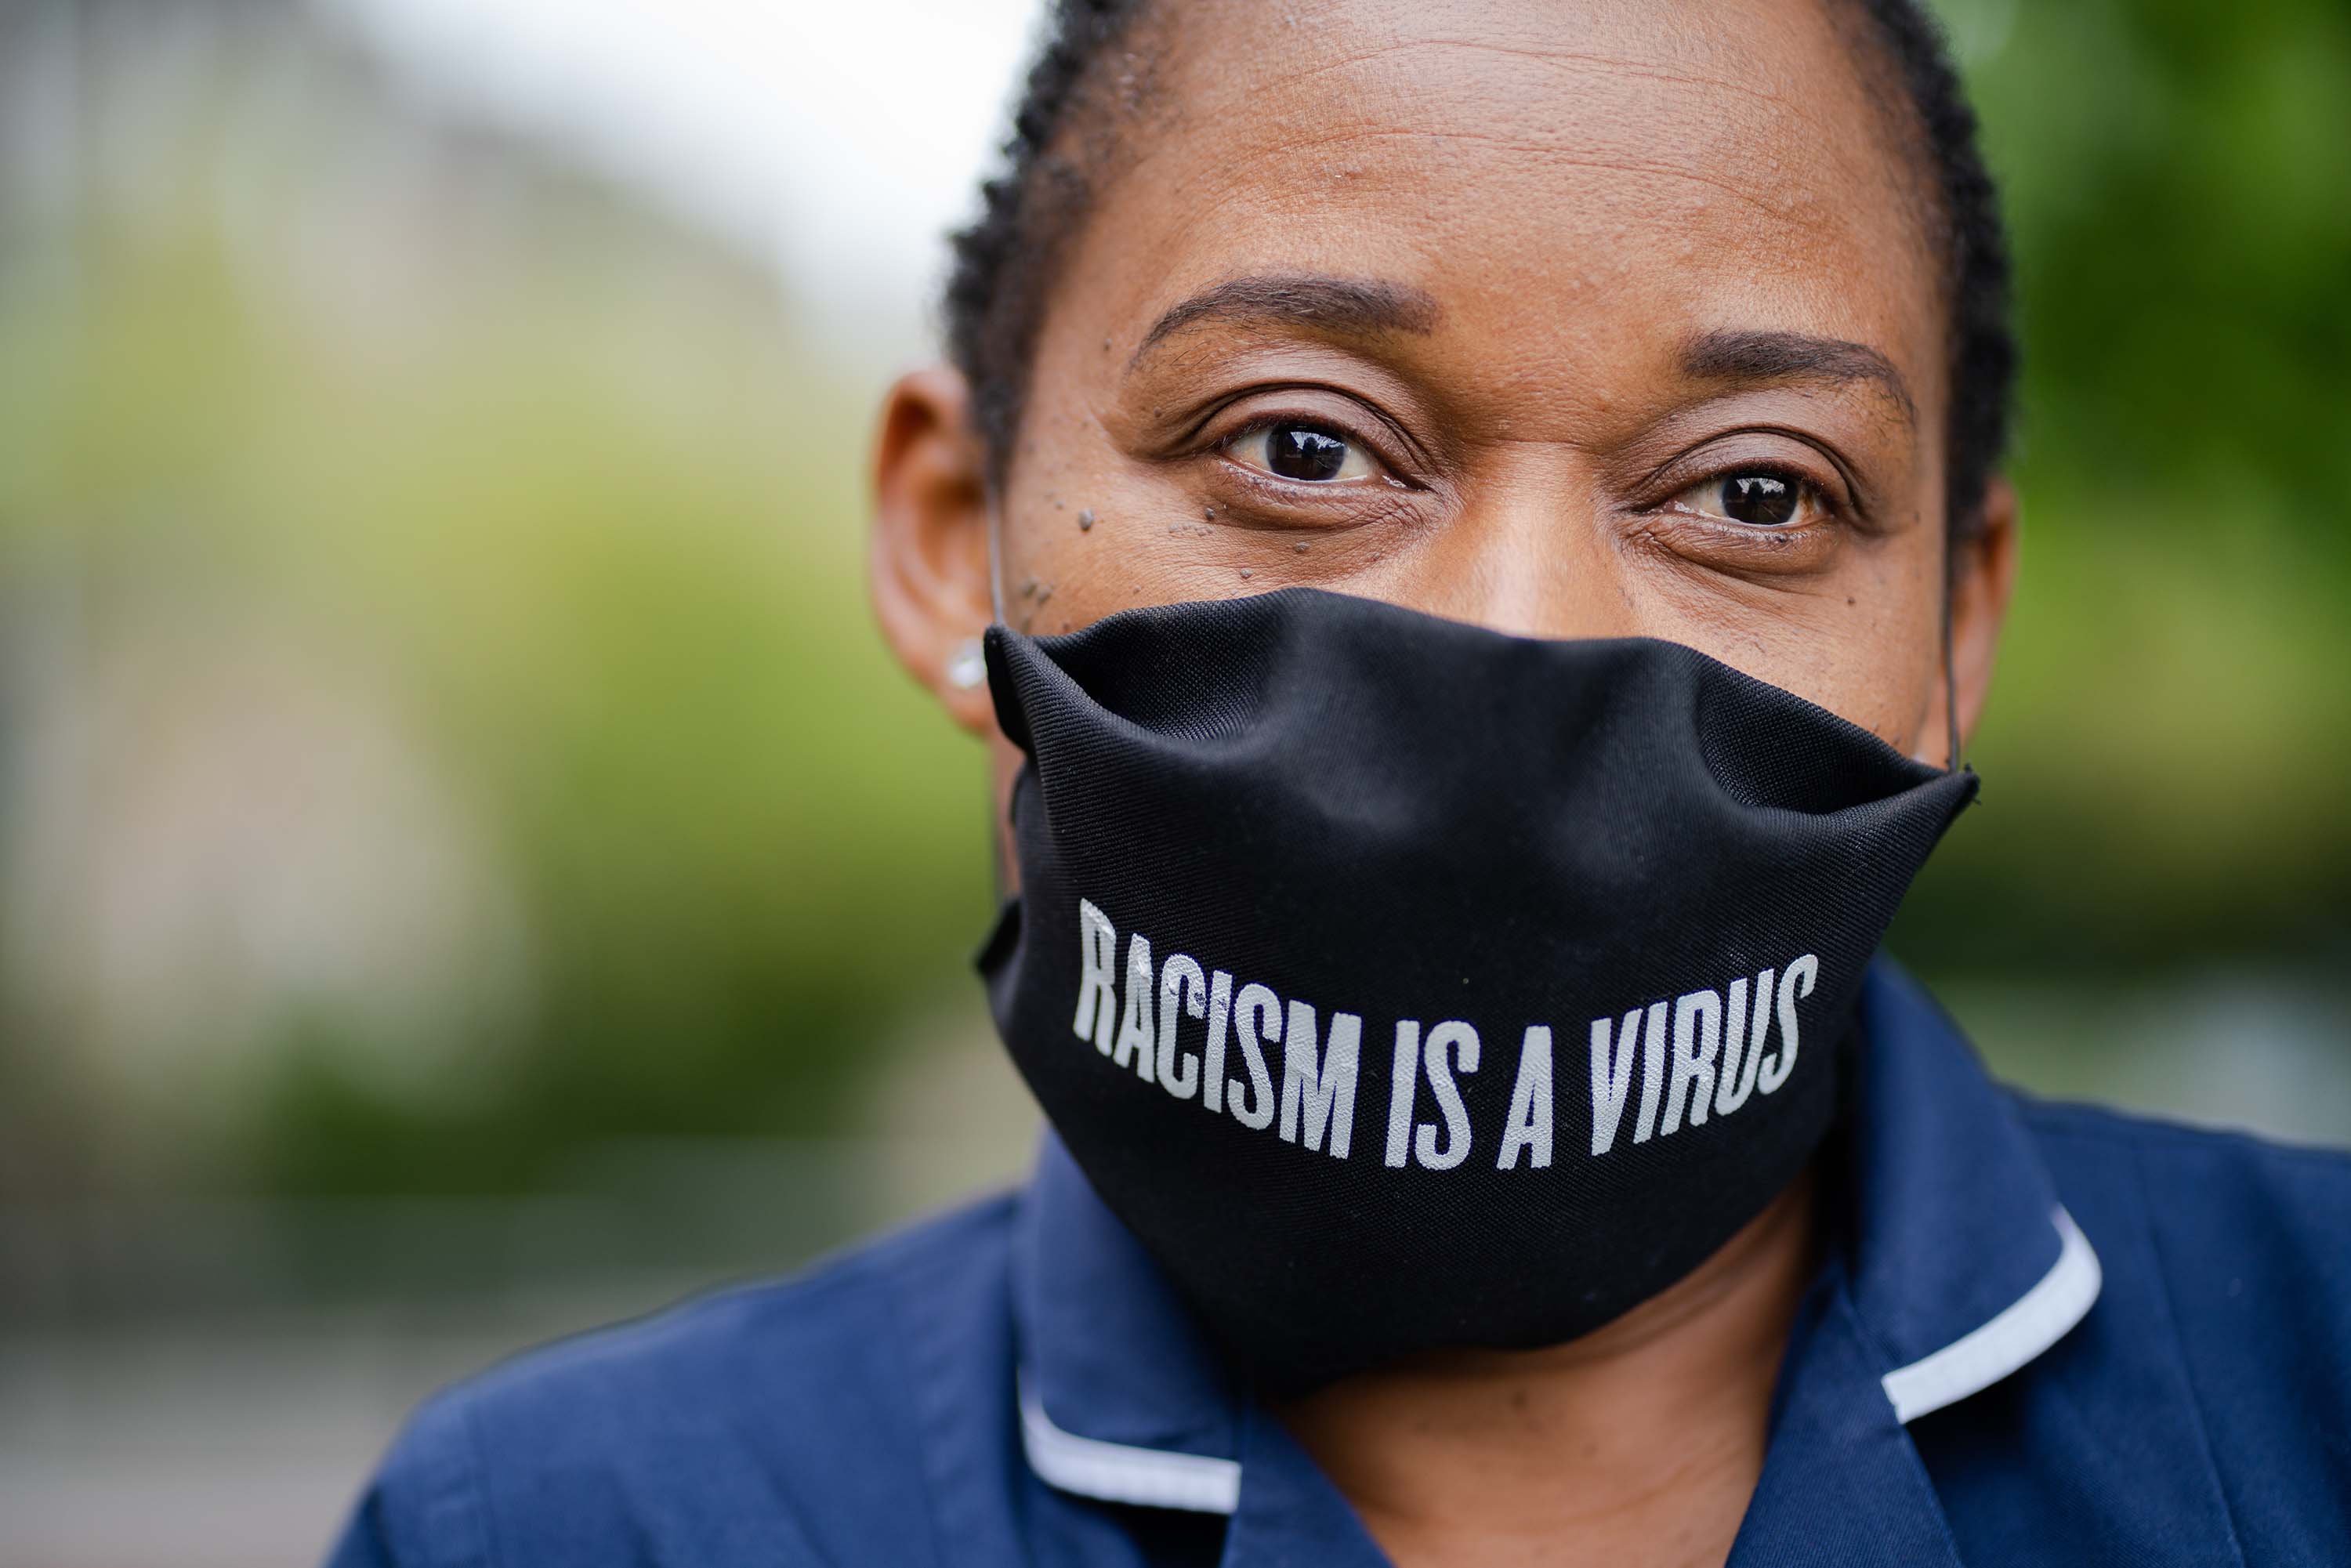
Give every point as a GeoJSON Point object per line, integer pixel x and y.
{"type": "Point", "coordinates": [1108, 1353]}
{"type": "Point", "coordinates": [1953, 1268]}
{"type": "Point", "coordinates": [1842, 1483]}
{"type": "Point", "coordinates": [1962, 1266]}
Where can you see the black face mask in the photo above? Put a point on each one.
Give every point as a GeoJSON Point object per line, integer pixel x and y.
{"type": "Point", "coordinates": [1403, 985]}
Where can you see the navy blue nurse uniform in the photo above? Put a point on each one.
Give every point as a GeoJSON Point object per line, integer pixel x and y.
{"type": "Point", "coordinates": [2042, 1334]}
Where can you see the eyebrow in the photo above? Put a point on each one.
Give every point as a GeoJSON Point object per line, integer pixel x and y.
{"type": "Point", "coordinates": [1737, 356]}
{"type": "Point", "coordinates": [1314, 300]}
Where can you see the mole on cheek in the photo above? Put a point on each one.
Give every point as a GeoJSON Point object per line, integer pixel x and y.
{"type": "Point", "coordinates": [1037, 593]}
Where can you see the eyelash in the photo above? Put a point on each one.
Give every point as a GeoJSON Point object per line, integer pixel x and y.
{"type": "Point", "coordinates": [1808, 492]}
{"type": "Point", "coordinates": [1259, 424]}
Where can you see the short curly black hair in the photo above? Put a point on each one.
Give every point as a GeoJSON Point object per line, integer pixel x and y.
{"type": "Point", "coordinates": [1007, 261]}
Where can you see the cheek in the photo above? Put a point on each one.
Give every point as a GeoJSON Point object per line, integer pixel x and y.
{"type": "Point", "coordinates": [1066, 519]}
{"type": "Point", "coordinates": [1079, 538]}
{"type": "Point", "coordinates": [1085, 530]}
{"type": "Point", "coordinates": [1864, 641]}
{"type": "Point", "coordinates": [1880, 661]}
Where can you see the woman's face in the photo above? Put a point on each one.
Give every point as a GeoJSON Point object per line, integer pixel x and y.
{"type": "Point", "coordinates": [1569, 319]}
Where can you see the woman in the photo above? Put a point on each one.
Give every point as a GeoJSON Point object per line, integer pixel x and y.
{"type": "Point", "coordinates": [1473, 534]}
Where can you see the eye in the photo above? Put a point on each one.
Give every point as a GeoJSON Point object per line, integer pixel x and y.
{"type": "Point", "coordinates": [1297, 449]}
{"type": "Point", "coordinates": [1758, 497]}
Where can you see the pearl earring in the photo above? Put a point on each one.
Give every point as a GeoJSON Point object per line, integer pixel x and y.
{"type": "Point", "coordinates": [967, 669]}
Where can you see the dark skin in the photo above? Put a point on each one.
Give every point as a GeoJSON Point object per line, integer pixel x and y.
{"type": "Point", "coordinates": [1572, 320]}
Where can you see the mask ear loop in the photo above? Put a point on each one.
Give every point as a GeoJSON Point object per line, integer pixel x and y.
{"type": "Point", "coordinates": [999, 873]}
{"type": "Point", "coordinates": [1951, 762]}
{"type": "Point", "coordinates": [995, 559]}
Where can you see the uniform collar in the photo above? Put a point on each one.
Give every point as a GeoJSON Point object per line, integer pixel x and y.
{"type": "Point", "coordinates": [1963, 1266]}
{"type": "Point", "coordinates": [1120, 1396]}
{"type": "Point", "coordinates": [1956, 1266]}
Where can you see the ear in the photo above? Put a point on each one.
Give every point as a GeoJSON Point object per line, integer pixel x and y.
{"type": "Point", "coordinates": [1984, 575]}
{"type": "Point", "coordinates": [929, 564]}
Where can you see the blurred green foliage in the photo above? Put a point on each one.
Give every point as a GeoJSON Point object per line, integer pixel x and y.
{"type": "Point", "coordinates": [2166, 757]}
{"type": "Point", "coordinates": [587, 514]}
{"type": "Point", "coordinates": [566, 494]}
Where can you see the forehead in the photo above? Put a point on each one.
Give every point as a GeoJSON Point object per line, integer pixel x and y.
{"type": "Point", "coordinates": [1568, 180]}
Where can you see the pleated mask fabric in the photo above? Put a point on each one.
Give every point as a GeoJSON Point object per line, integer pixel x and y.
{"type": "Point", "coordinates": [1402, 984]}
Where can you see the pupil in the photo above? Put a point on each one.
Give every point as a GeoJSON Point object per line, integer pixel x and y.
{"type": "Point", "coordinates": [1301, 452]}
{"type": "Point", "coordinates": [1758, 498]}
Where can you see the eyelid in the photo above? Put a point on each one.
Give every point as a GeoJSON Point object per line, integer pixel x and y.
{"type": "Point", "coordinates": [1358, 452]}
{"type": "Point", "coordinates": [1826, 476]}
{"type": "Point", "coordinates": [1383, 475]}
{"type": "Point", "coordinates": [1808, 493]}
{"type": "Point", "coordinates": [1386, 442]}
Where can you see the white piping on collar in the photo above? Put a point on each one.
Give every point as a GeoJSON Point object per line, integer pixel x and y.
{"type": "Point", "coordinates": [2027, 1327]}
{"type": "Point", "coordinates": [1119, 1472]}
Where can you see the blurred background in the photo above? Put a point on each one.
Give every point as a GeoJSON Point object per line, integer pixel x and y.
{"type": "Point", "coordinates": [468, 870]}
